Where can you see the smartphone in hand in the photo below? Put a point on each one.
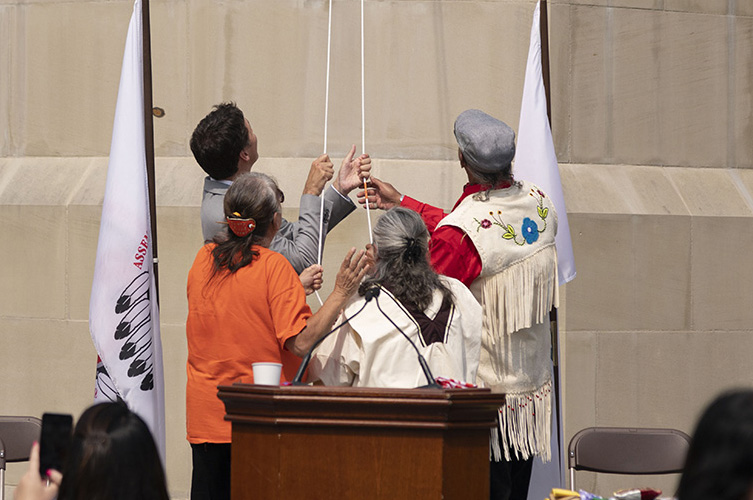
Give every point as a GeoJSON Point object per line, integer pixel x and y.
{"type": "Point", "coordinates": [55, 439]}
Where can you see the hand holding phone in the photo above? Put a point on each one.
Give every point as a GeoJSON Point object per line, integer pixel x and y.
{"type": "Point", "coordinates": [54, 442]}
{"type": "Point", "coordinates": [33, 487]}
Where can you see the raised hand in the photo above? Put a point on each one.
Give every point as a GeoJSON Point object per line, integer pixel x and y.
{"type": "Point", "coordinates": [352, 270]}
{"type": "Point", "coordinates": [32, 486]}
{"type": "Point", "coordinates": [352, 172]}
{"type": "Point", "coordinates": [381, 195]}
{"type": "Point", "coordinates": [320, 173]}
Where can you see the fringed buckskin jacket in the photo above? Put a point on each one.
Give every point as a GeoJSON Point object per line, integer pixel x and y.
{"type": "Point", "coordinates": [512, 230]}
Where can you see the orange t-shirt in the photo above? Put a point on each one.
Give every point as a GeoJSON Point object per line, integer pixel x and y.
{"type": "Point", "coordinates": [233, 321]}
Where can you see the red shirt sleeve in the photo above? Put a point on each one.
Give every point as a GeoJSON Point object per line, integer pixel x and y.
{"type": "Point", "coordinates": [431, 215]}
{"type": "Point", "coordinates": [453, 254]}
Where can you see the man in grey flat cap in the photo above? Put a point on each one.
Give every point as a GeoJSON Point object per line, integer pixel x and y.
{"type": "Point", "coordinates": [499, 241]}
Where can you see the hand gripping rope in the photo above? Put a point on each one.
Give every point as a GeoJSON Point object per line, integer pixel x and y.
{"type": "Point", "coordinates": [326, 120]}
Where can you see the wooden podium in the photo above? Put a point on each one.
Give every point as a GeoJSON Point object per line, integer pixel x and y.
{"type": "Point", "coordinates": [341, 443]}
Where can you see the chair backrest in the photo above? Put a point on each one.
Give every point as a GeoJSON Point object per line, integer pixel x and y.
{"type": "Point", "coordinates": [622, 450]}
{"type": "Point", "coordinates": [17, 435]}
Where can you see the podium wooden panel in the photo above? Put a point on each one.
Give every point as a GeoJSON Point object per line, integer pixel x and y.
{"type": "Point", "coordinates": [303, 442]}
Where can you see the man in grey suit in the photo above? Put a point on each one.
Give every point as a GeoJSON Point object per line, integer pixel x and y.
{"type": "Point", "coordinates": [225, 146]}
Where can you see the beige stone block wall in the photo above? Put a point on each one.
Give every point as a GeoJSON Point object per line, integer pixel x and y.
{"type": "Point", "coordinates": [652, 88]}
{"type": "Point", "coordinates": [7, 41]}
{"type": "Point", "coordinates": [653, 326]}
{"type": "Point", "coordinates": [657, 321]}
{"type": "Point", "coordinates": [652, 118]}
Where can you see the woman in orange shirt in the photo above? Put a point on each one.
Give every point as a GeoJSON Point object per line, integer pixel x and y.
{"type": "Point", "coordinates": [246, 304]}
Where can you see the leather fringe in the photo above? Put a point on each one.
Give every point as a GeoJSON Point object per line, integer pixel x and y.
{"type": "Point", "coordinates": [524, 294]}
{"type": "Point", "coordinates": [525, 424]}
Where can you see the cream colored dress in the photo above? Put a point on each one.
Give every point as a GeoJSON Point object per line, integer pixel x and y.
{"type": "Point", "coordinates": [370, 352]}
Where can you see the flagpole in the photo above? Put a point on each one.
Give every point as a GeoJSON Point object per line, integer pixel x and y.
{"type": "Point", "coordinates": [544, 30]}
{"type": "Point", "coordinates": [544, 33]}
{"type": "Point", "coordinates": [149, 136]}
{"type": "Point", "coordinates": [554, 328]}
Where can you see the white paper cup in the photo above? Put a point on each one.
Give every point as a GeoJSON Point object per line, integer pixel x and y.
{"type": "Point", "coordinates": [267, 373]}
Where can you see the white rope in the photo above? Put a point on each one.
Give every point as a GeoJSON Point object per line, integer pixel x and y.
{"type": "Point", "coordinates": [363, 122]}
{"type": "Point", "coordinates": [363, 90]}
{"type": "Point", "coordinates": [326, 88]}
{"type": "Point", "coordinates": [326, 120]}
{"type": "Point", "coordinates": [321, 229]}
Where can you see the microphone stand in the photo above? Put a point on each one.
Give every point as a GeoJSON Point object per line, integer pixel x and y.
{"type": "Point", "coordinates": [307, 358]}
{"type": "Point", "coordinates": [432, 383]}
{"type": "Point", "coordinates": [371, 293]}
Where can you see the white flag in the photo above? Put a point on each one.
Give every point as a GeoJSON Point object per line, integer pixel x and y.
{"type": "Point", "coordinates": [535, 159]}
{"type": "Point", "coordinates": [123, 312]}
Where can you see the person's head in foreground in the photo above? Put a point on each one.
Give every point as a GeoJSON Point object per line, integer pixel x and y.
{"type": "Point", "coordinates": [112, 456]}
{"type": "Point", "coordinates": [401, 244]}
{"type": "Point", "coordinates": [720, 460]}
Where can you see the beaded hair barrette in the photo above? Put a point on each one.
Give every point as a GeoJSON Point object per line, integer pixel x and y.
{"type": "Point", "coordinates": [239, 226]}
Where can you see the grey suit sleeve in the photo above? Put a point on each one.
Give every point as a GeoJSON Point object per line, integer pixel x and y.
{"type": "Point", "coordinates": [299, 241]}
{"type": "Point", "coordinates": [212, 212]}
{"type": "Point", "coordinates": [342, 206]}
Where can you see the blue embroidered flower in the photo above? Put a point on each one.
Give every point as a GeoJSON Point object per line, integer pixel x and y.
{"type": "Point", "coordinates": [530, 230]}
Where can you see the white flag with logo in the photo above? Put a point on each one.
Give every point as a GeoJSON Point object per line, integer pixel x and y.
{"type": "Point", "coordinates": [123, 312]}
{"type": "Point", "coordinates": [535, 159]}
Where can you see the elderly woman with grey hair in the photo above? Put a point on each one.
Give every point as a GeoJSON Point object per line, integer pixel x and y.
{"type": "Point", "coordinates": [439, 315]}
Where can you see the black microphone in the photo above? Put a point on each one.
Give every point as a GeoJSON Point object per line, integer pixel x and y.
{"type": "Point", "coordinates": [432, 383]}
{"type": "Point", "coordinates": [371, 292]}
{"type": "Point", "coordinates": [307, 358]}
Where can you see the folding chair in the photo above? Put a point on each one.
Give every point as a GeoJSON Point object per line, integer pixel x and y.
{"type": "Point", "coordinates": [621, 450]}
{"type": "Point", "coordinates": [17, 434]}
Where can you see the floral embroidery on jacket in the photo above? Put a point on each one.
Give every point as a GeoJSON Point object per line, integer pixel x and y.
{"type": "Point", "coordinates": [529, 229]}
